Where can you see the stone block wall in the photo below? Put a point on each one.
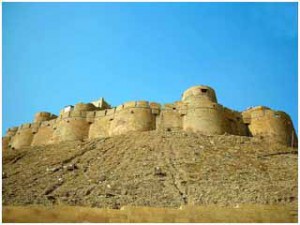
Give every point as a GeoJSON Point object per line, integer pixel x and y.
{"type": "Point", "coordinates": [198, 111]}
{"type": "Point", "coordinates": [274, 125]}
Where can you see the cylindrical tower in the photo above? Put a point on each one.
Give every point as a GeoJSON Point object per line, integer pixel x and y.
{"type": "Point", "coordinates": [44, 133]}
{"type": "Point", "coordinates": [203, 113]}
{"type": "Point", "coordinates": [84, 107]}
{"type": "Point", "coordinates": [24, 135]}
{"type": "Point", "coordinates": [73, 125]}
{"type": "Point", "coordinates": [132, 116]}
{"type": "Point", "coordinates": [275, 125]}
{"type": "Point", "coordinates": [199, 94]}
{"type": "Point", "coordinates": [6, 141]}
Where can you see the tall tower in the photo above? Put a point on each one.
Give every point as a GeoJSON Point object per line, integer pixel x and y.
{"type": "Point", "coordinates": [204, 114]}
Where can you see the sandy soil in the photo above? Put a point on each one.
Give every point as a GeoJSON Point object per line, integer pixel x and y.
{"type": "Point", "coordinates": [207, 214]}
{"type": "Point", "coordinates": [152, 169]}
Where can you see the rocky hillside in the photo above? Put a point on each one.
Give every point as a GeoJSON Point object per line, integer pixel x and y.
{"type": "Point", "coordinates": [161, 169]}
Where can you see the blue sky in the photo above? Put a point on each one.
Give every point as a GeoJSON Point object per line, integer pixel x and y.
{"type": "Point", "coordinates": [56, 54]}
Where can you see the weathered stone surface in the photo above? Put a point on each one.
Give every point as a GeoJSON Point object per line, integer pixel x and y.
{"type": "Point", "coordinates": [198, 111]}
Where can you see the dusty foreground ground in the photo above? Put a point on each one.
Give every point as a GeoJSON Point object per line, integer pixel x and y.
{"type": "Point", "coordinates": [168, 169]}
{"type": "Point", "coordinates": [207, 214]}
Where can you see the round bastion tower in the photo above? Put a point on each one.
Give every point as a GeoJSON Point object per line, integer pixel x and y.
{"type": "Point", "coordinates": [274, 125]}
{"type": "Point", "coordinates": [204, 114]}
{"type": "Point", "coordinates": [46, 129]}
{"type": "Point", "coordinates": [72, 124]}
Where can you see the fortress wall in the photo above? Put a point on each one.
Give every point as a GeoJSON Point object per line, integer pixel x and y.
{"type": "Point", "coordinates": [84, 107]}
{"type": "Point", "coordinates": [70, 129]}
{"type": "Point", "coordinates": [24, 135]}
{"type": "Point", "coordinates": [43, 116]}
{"type": "Point", "coordinates": [130, 116]}
{"type": "Point", "coordinates": [156, 112]}
{"type": "Point", "coordinates": [44, 133]}
{"type": "Point", "coordinates": [73, 125]}
{"type": "Point", "coordinates": [207, 120]}
{"type": "Point", "coordinates": [275, 125]}
{"type": "Point", "coordinates": [11, 131]}
{"type": "Point", "coordinates": [101, 126]}
{"type": "Point", "coordinates": [90, 116]}
{"type": "Point", "coordinates": [233, 123]}
{"type": "Point", "coordinates": [169, 118]}
{"type": "Point", "coordinates": [198, 112]}
{"type": "Point", "coordinates": [133, 116]}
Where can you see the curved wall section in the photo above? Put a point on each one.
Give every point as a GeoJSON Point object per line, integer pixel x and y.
{"type": "Point", "coordinates": [132, 117]}
{"type": "Point", "coordinates": [275, 125]}
{"type": "Point", "coordinates": [199, 93]}
{"type": "Point", "coordinates": [24, 135]}
{"type": "Point", "coordinates": [44, 133]}
{"type": "Point", "coordinates": [207, 120]}
{"type": "Point", "coordinates": [170, 120]}
{"type": "Point", "coordinates": [84, 107]}
{"type": "Point", "coordinates": [43, 116]}
{"type": "Point", "coordinates": [100, 127]}
{"type": "Point", "coordinates": [71, 129]}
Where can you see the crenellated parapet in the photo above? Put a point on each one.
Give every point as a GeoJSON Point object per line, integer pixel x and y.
{"type": "Point", "coordinates": [130, 116]}
{"type": "Point", "coordinates": [198, 111]}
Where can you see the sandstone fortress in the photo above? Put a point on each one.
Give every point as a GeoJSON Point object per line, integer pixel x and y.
{"type": "Point", "coordinates": [198, 111]}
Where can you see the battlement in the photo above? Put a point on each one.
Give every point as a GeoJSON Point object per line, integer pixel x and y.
{"type": "Point", "coordinates": [198, 111]}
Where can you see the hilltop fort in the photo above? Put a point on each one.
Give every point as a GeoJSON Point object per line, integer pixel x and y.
{"type": "Point", "coordinates": [198, 111]}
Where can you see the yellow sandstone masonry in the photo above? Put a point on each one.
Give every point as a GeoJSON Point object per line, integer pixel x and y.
{"type": "Point", "coordinates": [198, 111]}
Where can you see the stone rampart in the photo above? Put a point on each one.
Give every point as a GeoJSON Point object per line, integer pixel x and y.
{"type": "Point", "coordinates": [130, 116]}
{"type": "Point", "coordinates": [6, 140]}
{"type": "Point", "coordinates": [199, 93]}
{"type": "Point", "coordinates": [233, 123]}
{"type": "Point", "coordinates": [44, 134]}
{"type": "Point", "coordinates": [206, 119]}
{"type": "Point", "coordinates": [24, 135]}
{"type": "Point", "coordinates": [275, 125]}
{"type": "Point", "coordinates": [198, 111]}
{"type": "Point", "coordinates": [73, 125]}
{"type": "Point", "coordinates": [170, 118]}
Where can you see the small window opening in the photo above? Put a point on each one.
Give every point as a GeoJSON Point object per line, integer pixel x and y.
{"type": "Point", "coordinates": [48, 125]}
{"type": "Point", "coordinates": [33, 132]}
{"type": "Point", "coordinates": [111, 119]}
{"type": "Point", "coordinates": [90, 122]}
{"type": "Point", "coordinates": [203, 90]}
{"type": "Point", "coordinates": [168, 129]}
{"type": "Point", "coordinates": [174, 108]}
{"type": "Point", "coordinates": [68, 121]}
{"type": "Point", "coordinates": [131, 111]}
